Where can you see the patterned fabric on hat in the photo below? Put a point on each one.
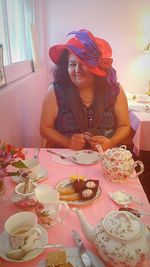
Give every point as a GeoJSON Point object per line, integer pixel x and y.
{"type": "Point", "coordinates": [87, 49]}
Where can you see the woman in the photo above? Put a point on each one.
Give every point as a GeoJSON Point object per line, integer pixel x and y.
{"type": "Point", "coordinates": [85, 105]}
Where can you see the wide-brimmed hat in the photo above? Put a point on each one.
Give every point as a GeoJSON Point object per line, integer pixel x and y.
{"type": "Point", "coordinates": [94, 52]}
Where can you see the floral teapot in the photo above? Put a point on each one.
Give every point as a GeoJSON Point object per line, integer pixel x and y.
{"type": "Point", "coordinates": [121, 239]}
{"type": "Point", "coordinates": [118, 164]}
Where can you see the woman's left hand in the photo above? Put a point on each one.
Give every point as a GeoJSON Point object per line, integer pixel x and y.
{"type": "Point", "coordinates": [105, 142]}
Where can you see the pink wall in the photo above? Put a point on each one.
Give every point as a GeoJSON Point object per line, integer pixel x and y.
{"type": "Point", "coordinates": [20, 109]}
{"type": "Point", "coordinates": [124, 24]}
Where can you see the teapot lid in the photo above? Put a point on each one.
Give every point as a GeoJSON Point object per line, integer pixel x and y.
{"type": "Point", "coordinates": [123, 225]}
{"type": "Point", "coordinates": [118, 153]}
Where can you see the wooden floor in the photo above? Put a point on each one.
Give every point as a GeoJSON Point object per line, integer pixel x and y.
{"type": "Point", "coordinates": [145, 176]}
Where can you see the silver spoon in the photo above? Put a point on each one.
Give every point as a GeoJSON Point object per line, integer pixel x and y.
{"type": "Point", "coordinates": [18, 254]}
{"type": "Point", "coordinates": [36, 153]}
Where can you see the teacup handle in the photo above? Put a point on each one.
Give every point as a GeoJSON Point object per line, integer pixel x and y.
{"type": "Point", "coordinates": [136, 163]}
{"type": "Point", "coordinates": [39, 232]}
{"type": "Point", "coordinates": [33, 237]}
{"type": "Point", "coordinates": [63, 218]}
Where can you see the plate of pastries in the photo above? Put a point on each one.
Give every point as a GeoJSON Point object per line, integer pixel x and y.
{"type": "Point", "coordinates": [78, 190]}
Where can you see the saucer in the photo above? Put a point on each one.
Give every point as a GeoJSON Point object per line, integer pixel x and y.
{"type": "Point", "coordinates": [5, 246]}
{"type": "Point", "coordinates": [64, 183]}
{"type": "Point", "coordinates": [121, 198]}
{"type": "Point", "coordinates": [41, 176]}
{"type": "Point", "coordinates": [86, 157]}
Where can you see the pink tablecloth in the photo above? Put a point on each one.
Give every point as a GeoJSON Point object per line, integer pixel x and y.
{"type": "Point", "coordinates": [140, 122]}
{"type": "Point", "coordinates": [93, 212]}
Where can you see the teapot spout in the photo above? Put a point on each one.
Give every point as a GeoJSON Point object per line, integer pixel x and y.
{"type": "Point", "coordinates": [87, 229]}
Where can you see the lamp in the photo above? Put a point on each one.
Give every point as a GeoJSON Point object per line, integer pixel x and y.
{"type": "Point", "coordinates": [147, 48]}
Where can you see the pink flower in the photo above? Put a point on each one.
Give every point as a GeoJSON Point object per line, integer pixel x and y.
{"type": "Point", "coordinates": [8, 156]}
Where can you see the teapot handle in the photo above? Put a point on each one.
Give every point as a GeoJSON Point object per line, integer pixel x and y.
{"type": "Point", "coordinates": [122, 214]}
{"type": "Point", "coordinates": [123, 146]}
{"type": "Point", "coordinates": [136, 163]}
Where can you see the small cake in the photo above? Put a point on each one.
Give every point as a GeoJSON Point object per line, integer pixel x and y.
{"type": "Point", "coordinates": [66, 190]}
{"type": "Point", "coordinates": [57, 259]}
{"type": "Point", "coordinates": [87, 194]}
{"type": "Point", "coordinates": [92, 184]}
{"type": "Point", "coordinates": [71, 197]}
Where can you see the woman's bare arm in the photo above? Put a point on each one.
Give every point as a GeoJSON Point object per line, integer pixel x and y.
{"type": "Point", "coordinates": [122, 116]}
{"type": "Point", "coordinates": [47, 124]}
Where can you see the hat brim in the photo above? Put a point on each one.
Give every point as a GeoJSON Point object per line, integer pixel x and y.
{"type": "Point", "coordinates": [56, 51]}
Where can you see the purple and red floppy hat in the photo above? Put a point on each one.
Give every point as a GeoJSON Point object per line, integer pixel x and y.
{"type": "Point", "coordinates": [92, 51]}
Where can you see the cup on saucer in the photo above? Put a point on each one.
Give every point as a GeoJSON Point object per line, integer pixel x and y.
{"type": "Point", "coordinates": [22, 230]}
{"type": "Point", "coordinates": [33, 168]}
{"type": "Point", "coordinates": [24, 200]}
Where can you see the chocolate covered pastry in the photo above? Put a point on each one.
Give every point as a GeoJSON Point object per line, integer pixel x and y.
{"type": "Point", "coordinates": [92, 184]}
{"type": "Point", "coordinates": [78, 185]}
{"type": "Point", "coordinates": [87, 194]}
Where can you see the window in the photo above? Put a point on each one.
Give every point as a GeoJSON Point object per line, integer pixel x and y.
{"type": "Point", "coordinates": [15, 19]}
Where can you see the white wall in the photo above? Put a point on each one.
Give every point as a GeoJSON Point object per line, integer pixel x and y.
{"type": "Point", "coordinates": [21, 101]}
{"type": "Point", "coordinates": [20, 109]}
{"type": "Point", "coordinates": [125, 24]}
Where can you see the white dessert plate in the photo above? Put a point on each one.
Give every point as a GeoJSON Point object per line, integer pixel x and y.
{"type": "Point", "coordinates": [74, 257]}
{"type": "Point", "coordinates": [86, 157]}
{"type": "Point", "coordinates": [41, 176]}
{"type": "Point", "coordinates": [66, 182]}
{"type": "Point", "coordinates": [121, 198]}
{"type": "Point", "coordinates": [5, 246]}
{"type": "Point", "coordinates": [59, 160]}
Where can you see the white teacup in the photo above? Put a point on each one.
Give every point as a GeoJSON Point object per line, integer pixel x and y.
{"type": "Point", "coordinates": [33, 168]}
{"type": "Point", "coordinates": [24, 200]}
{"type": "Point", "coordinates": [49, 208]}
{"type": "Point", "coordinates": [22, 230]}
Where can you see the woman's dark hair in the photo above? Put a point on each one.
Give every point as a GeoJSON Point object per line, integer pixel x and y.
{"type": "Point", "coordinates": [61, 75]}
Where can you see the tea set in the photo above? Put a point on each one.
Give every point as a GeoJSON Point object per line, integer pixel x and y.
{"type": "Point", "coordinates": [121, 238]}
{"type": "Point", "coordinates": [119, 165]}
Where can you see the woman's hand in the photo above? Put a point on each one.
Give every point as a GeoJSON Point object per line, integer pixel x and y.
{"type": "Point", "coordinates": [105, 142]}
{"type": "Point", "coordinates": [77, 142]}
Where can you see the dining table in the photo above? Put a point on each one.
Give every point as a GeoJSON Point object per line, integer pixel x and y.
{"type": "Point", "coordinates": [139, 114]}
{"type": "Point", "coordinates": [55, 170]}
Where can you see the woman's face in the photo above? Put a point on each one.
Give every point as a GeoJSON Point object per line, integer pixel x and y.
{"type": "Point", "coordinates": [79, 73]}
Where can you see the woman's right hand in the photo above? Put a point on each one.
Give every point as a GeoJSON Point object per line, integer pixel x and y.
{"type": "Point", "coordinates": [77, 142]}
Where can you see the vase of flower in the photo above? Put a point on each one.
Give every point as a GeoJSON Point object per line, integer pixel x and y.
{"type": "Point", "coordinates": [9, 155]}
